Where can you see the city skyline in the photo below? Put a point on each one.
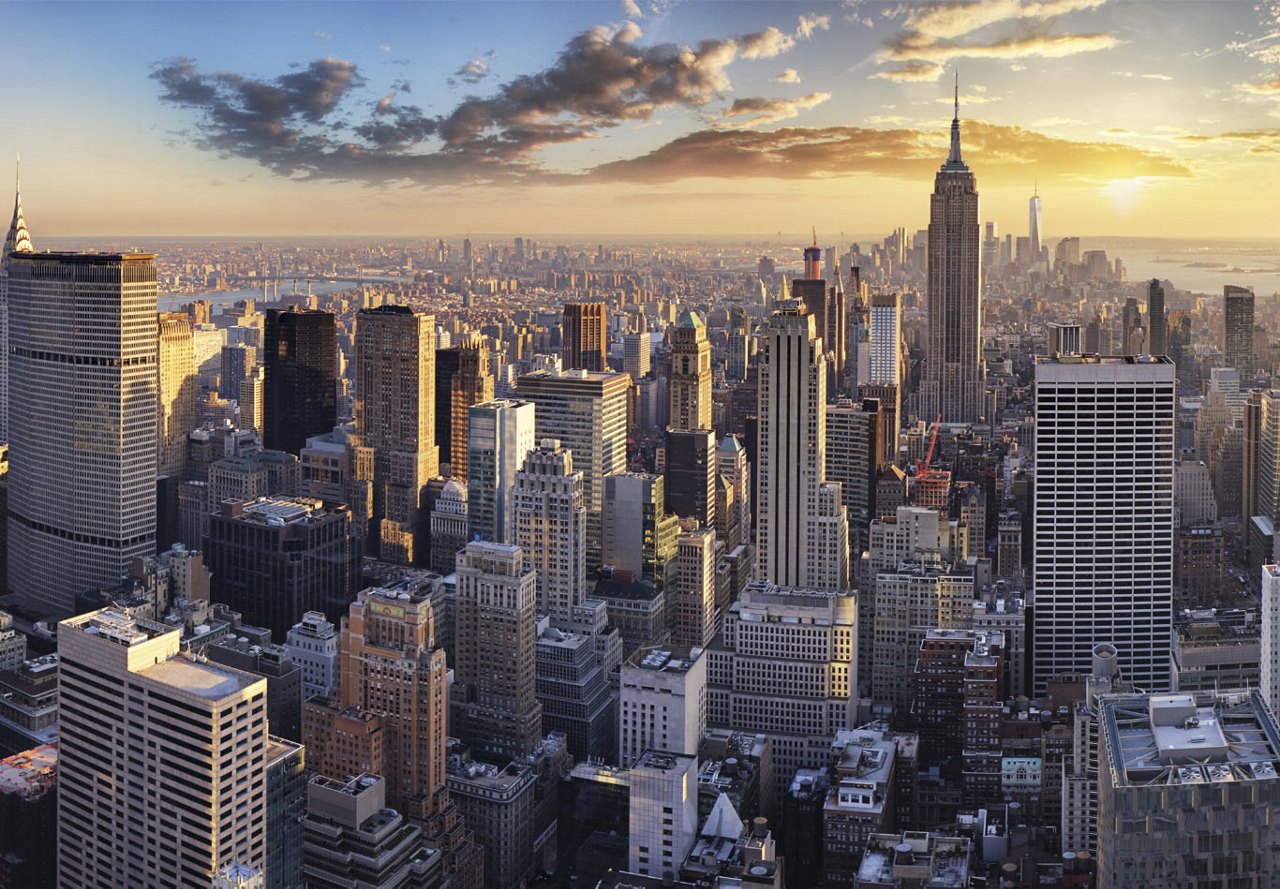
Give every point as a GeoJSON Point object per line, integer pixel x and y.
{"type": "Point", "coordinates": [285, 119]}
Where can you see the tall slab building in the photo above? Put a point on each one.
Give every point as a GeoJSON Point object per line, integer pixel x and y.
{"type": "Point", "coordinates": [792, 457]}
{"type": "Point", "coordinates": [83, 406]}
{"type": "Point", "coordinates": [395, 416]}
{"type": "Point", "coordinates": [954, 371]}
{"type": "Point", "coordinates": [1238, 305]}
{"type": "Point", "coordinates": [587, 412]}
{"type": "Point", "coordinates": [176, 366]}
{"type": "Point", "coordinates": [1106, 443]}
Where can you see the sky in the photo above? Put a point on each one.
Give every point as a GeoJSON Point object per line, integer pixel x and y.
{"type": "Point", "coordinates": [639, 117]}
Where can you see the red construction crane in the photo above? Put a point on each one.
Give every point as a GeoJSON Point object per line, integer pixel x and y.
{"type": "Point", "coordinates": [922, 467]}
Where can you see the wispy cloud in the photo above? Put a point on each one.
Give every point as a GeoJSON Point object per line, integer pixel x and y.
{"type": "Point", "coordinates": [754, 112]}
{"type": "Point", "coordinates": [1267, 88]}
{"type": "Point", "coordinates": [936, 34]}
{"type": "Point", "coordinates": [471, 72]}
{"type": "Point", "coordinates": [912, 72]}
{"type": "Point", "coordinates": [1259, 141]}
{"type": "Point", "coordinates": [1005, 154]}
{"type": "Point", "coordinates": [967, 99]}
{"type": "Point", "coordinates": [787, 75]}
{"type": "Point", "coordinates": [1156, 77]}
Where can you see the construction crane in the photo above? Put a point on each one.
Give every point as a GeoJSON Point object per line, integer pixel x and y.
{"type": "Point", "coordinates": [922, 466]}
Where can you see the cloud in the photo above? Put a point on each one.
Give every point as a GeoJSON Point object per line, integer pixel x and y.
{"type": "Point", "coordinates": [1259, 141]}
{"type": "Point", "coordinates": [809, 24]}
{"type": "Point", "coordinates": [758, 111]}
{"type": "Point", "coordinates": [472, 72]}
{"type": "Point", "coordinates": [913, 72]}
{"type": "Point", "coordinates": [787, 75]}
{"type": "Point", "coordinates": [600, 80]}
{"type": "Point", "coordinates": [1156, 77]}
{"type": "Point", "coordinates": [384, 47]}
{"type": "Point", "coordinates": [969, 99]}
{"type": "Point", "coordinates": [322, 35]}
{"type": "Point", "coordinates": [1269, 88]}
{"type": "Point", "coordinates": [934, 34]}
{"type": "Point", "coordinates": [998, 153]}
{"type": "Point", "coordinates": [766, 44]}
{"type": "Point", "coordinates": [771, 42]}
{"type": "Point", "coordinates": [631, 9]}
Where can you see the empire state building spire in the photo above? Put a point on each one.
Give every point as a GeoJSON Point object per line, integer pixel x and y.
{"type": "Point", "coordinates": [954, 161]}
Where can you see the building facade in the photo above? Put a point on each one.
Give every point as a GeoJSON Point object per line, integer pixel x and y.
{"type": "Point", "coordinates": [1105, 451]}
{"type": "Point", "coordinates": [82, 422]}
{"type": "Point", "coordinates": [192, 733]}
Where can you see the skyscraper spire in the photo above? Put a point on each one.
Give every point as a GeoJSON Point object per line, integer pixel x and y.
{"type": "Point", "coordinates": [954, 161]}
{"type": "Point", "coordinates": [18, 240]}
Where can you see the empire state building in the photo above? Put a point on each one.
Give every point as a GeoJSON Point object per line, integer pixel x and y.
{"type": "Point", "coordinates": [954, 373]}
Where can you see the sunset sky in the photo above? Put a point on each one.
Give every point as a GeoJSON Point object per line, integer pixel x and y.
{"type": "Point", "coordinates": [640, 116]}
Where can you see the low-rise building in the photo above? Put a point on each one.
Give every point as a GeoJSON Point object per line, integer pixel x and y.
{"type": "Point", "coordinates": [663, 702]}
{"type": "Point", "coordinates": [914, 859]}
{"type": "Point", "coordinates": [350, 838]}
{"type": "Point", "coordinates": [859, 802]}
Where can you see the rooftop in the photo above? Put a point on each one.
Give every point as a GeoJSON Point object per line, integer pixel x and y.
{"type": "Point", "coordinates": [1199, 738]}
{"type": "Point", "coordinates": [663, 660]}
{"type": "Point", "coordinates": [924, 858]}
{"type": "Point", "coordinates": [119, 627]}
{"type": "Point", "coordinates": [662, 761]}
{"type": "Point", "coordinates": [204, 679]}
{"type": "Point", "coordinates": [30, 774]}
{"type": "Point", "coordinates": [282, 510]}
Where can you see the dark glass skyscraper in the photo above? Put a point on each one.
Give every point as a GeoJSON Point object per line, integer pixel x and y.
{"type": "Point", "coordinates": [953, 371]}
{"type": "Point", "coordinates": [301, 389]}
{"type": "Point", "coordinates": [1157, 323]}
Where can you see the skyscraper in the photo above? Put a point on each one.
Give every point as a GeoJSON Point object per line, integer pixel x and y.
{"type": "Point", "coordinates": [1033, 228]}
{"type": "Point", "coordinates": [1157, 323]}
{"type": "Point", "coordinates": [301, 390]}
{"type": "Point", "coordinates": [792, 453]}
{"type": "Point", "coordinates": [183, 739]}
{"type": "Point", "coordinates": [551, 527]}
{"type": "Point", "coordinates": [392, 668]}
{"type": "Point", "coordinates": [275, 559]}
{"type": "Point", "coordinates": [395, 382]}
{"type": "Point", "coordinates": [587, 412]}
{"type": "Point", "coordinates": [584, 340]}
{"type": "Point", "coordinates": [954, 371]}
{"type": "Point", "coordinates": [472, 383]}
{"type": "Point", "coordinates": [495, 708]}
{"type": "Point", "coordinates": [83, 408]}
{"type": "Point", "coordinates": [501, 434]}
{"type": "Point", "coordinates": [1238, 320]}
{"type": "Point", "coordinates": [176, 366]}
{"type": "Point", "coordinates": [690, 386]}
{"type": "Point", "coordinates": [696, 621]}
{"type": "Point", "coordinates": [17, 240]}
{"type": "Point", "coordinates": [447, 361]}
{"type": "Point", "coordinates": [1105, 449]}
